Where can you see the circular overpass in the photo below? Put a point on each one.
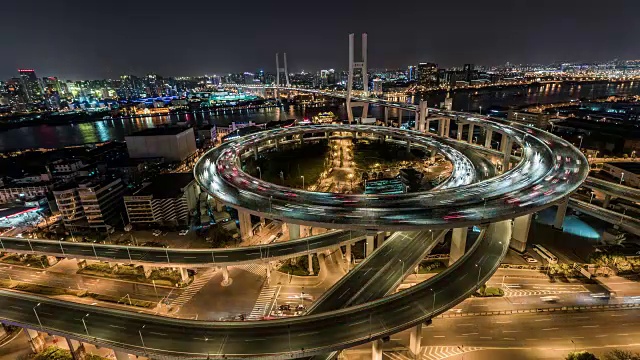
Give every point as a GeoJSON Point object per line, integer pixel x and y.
{"type": "Point", "coordinates": [548, 170]}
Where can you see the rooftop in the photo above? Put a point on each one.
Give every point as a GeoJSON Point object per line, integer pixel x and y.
{"type": "Point", "coordinates": [631, 167]}
{"type": "Point", "coordinates": [169, 130]}
{"type": "Point", "coordinates": [166, 186]}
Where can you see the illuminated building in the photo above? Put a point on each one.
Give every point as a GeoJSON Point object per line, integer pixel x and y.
{"type": "Point", "coordinates": [411, 73]}
{"type": "Point", "coordinates": [31, 85]}
{"type": "Point", "coordinates": [377, 86]}
{"type": "Point", "coordinates": [170, 143]}
{"type": "Point", "coordinates": [428, 74]}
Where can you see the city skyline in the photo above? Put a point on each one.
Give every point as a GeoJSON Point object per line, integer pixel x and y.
{"type": "Point", "coordinates": [111, 42]}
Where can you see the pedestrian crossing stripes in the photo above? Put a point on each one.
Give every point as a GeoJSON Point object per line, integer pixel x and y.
{"type": "Point", "coordinates": [258, 269]}
{"type": "Point", "coordinates": [516, 293]}
{"type": "Point", "coordinates": [432, 353]}
{"type": "Point", "coordinates": [200, 281]}
{"type": "Point", "coordinates": [264, 303]}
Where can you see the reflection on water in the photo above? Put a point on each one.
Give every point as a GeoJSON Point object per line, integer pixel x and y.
{"type": "Point", "coordinates": [468, 100]}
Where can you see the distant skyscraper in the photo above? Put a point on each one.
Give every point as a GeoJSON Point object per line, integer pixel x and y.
{"type": "Point", "coordinates": [469, 72]}
{"type": "Point", "coordinates": [377, 86]}
{"type": "Point", "coordinates": [428, 74]}
{"type": "Point", "coordinates": [411, 73]}
{"type": "Point", "coordinates": [248, 78]}
{"type": "Point", "coordinates": [327, 78]}
{"type": "Point", "coordinates": [51, 87]}
{"type": "Point", "coordinates": [30, 85]}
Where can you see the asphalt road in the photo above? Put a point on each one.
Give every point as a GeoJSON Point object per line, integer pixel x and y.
{"type": "Point", "coordinates": [549, 170]}
{"type": "Point", "coordinates": [625, 222]}
{"type": "Point", "coordinates": [296, 337]}
{"type": "Point", "coordinates": [174, 257]}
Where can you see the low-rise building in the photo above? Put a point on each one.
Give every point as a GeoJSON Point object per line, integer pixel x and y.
{"type": "Point", "coordinates": [166, 199]}
{"type": "Point", "coordinates": [170, 143]}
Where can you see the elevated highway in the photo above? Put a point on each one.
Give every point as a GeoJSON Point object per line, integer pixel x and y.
{"type": "Point", "coordinates": [174, 257]}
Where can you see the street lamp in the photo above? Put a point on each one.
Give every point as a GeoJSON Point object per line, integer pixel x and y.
{"type": "Point", "coordinates": [259, 171]}
{"type": "Point", "coordinates": [85, 324]}
{"type": "Point", "coordinates": [37, 317]}
{"type": "Point", "coordinates": [621, 178]}
{"type": "Point", "coordinates": [580, 146]}
{"type": "Point", "coordinates": [141, 339]}
{"type": "Point", "coordinates": [480, 109]}
{"type": "Point", "coordinates": [302, 176]}
{"type": "Point", "coordinates": [479, 269]}
{"type": "Point", "coordinates": [402, 262]}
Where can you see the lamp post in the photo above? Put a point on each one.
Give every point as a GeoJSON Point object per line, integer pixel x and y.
{"type": "Point", "coordinates": [590, 200]}
{"type": "Point", "coordinates": [621, 178]}
{"type": "Point", "coordinates": [259, 171]}
{"type": "Point", "coordinates": [37, 317]}
{"type": "Point", "coordinates": [302, 176]}
{"type": "Point", "coordinates": [141, 339]}
{"type": "Point", "coordinates": [85, 324]}
{"type": "Point", "coordinates": [479, 269]}
{"type": "Point", "coordinates": [580, 145]}
{"type": "Point", "coordinates": [402, 262]}
{"type": "Point", "coordinates": [480, 109]}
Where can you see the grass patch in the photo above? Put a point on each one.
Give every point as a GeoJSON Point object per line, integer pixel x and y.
{"type": "Point", "coordinates": [55, 353]}
{"type": "Point", "coordinates": [26, 260]}
{"type": "Point", "coordinates": [300, 266]}
{"type": "Point", "coordinates": [123, 300]}
{"type": "Point", "coordinates": [162, 277]}
{"type": "Point", "coordinates": [431, 266]}
{"type": "Point", "coordinates": [307, 160]}
{"type": "Point", "coordinates": [487, 291]}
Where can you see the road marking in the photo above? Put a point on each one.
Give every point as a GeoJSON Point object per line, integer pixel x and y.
{"type": "Point", "coordinates": [603, 335]}
{"type": "Point", "coordinates": [470, 334]}
{"type": "Point", "coordinates": [581, 317]}
{"type": "Point", "coordinates": [531, 339]}
{"type": "Point", "coordinates": [119, 327]}
{"type": "Point", "coordinates": [577, 337]}
{"type": "Point", "coordinates": [309, 333]}
{"type": "Point", "coordinates": [486, 337]}
{"type": "Point", "coordinates": [343, 293]}
{"type": "Point", "coordinates": [247, 340]}
{"type": "Point", "coordinates": [510, 331]}
{"type": "Point", "coordinates": [465, 324]}
{"type": "Point", "coordinates": [503, 322]}
{"type": "Point", "coordinates": [550, 329]}
{"type": "Point", "coordinates": [438, 336]}
{"type": "Point", "coordinates": [590, 326]}
{"type": "Point", "coordinates": [360, 322]}
{"type": "Point", "coordinates": [15, 307]}
{"type": "Point", "coordinates": [623, 334]}
{"type": "Point", "coordinates": [155, 333]}
{"type": "Point", "coordinates": [508, 339]}
{"type": "Point", "coordinates": [543, 319]}
{"type": "Point", "coordinates": [189, 257]}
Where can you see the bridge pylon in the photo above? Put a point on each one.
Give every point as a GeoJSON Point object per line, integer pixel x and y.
{"type": "Point", "coordinates": [282, 70]}
{"type": "Point", "coordinates": [365, 78]}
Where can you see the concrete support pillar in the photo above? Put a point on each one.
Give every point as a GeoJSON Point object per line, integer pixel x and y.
{"type": "Point", "coordinates": [487, 138]}
{"type": "Point", "coordinates": [226, 280]}
{"type": "Point", "coordinates": [268, 270]}
{"type": "Point", "coordinates": [470, 134]}
{"type": "Point", "coordinates": [432, 155]}
{"type": "Point", "coordinates": [347, 256]}
{"type": "Point", "coordinates": [415, 340]}
{"type": "Point", "coordinates": [120, 355]}
{"type": "Point", "coordinates": [277, 143]}
{"type": "Point", "coordinates": [376, 350]}
{"type": "Point", "coordinates": [506, 160]}
{"type": "Point", "coordinates": [379, 239]}
{"type": "Point", "coordinates": [520, 233]}
{"type": "Point", "coordinates": [77, 349]}
{"type": "Point", "coordinates": [255, 152]}
{"type": "Point", "coordinates": [219, 205]}
{"type": "Point", "coordinates": [607, 200]}
{"type": "Point", "coordinates": [399, 117]}
{"type": "Point", "coordinates": [458, 244]}
{"type": "Point", "coordinates": [386, 116]}
{"type": "Point", "coordinates": [423, 112]}
{"type": "Point", "coordinates": [365, 110]}
{"type": "Point", "coordinates": [427, 125]}
{"type": "Point", "coordinates": [245, 224]}
{"type": "Point", "coordinates": [459, 132]}
{"type": "Point", "coordinates": [294, 231]}
{"type": "Point", "coordinates": [504, 139]}
{"type": "Point", "coordinates": [36, 340]}
{"type": "Point", "coordinates": [408, 146]}
{"type": "Point", "coordinates": [184, 274]}
{"type": "Point", "coordinates": [148, 269]}
{"type": "Point", "coordinates": [441, 127]}
{"type": "Point", "coordinates": [310, 261]}
{"type": "Point", "coordinates": [370, 245]}
{"type": "Point", "coordinates": [447, 127]}
{"type": "Point", "coordinates": [562, 211]}
{"type": "Point", "coordinates": [416, 121]}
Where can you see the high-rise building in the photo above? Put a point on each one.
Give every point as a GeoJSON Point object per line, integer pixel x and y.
{"type": "Point", "coordinates": [130, 87]}
{"type": "Point", "coordinates": [377, 86]}
{"type": "Point", "coordinates": [101, 201]}
{"type": "Point", "coordinates": [469, 72]}
{"type": "Point", "coordinates": [428, 74]}
{"type": "Point", "coordinates": [327, 78]}
{"type": "Point", "coordinates": [51, 87]}
{"type": "Point", "coordinates": [15, 94]}
{"type": "Point", "coordinates": [248, 78]}
{"type": "Point", "coordinates": [411, 73]}
{"type": "Point", "coordinates": [31, 85]}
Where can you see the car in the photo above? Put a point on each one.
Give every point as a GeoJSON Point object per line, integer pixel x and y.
{"type": "Point", "coordinates": [284, 307]}
{"type": "Point", "coordinates": [551, 299]}
{"type": "Point", "coordinates": [183, 232]}
{"type": "Point", "coordinates": [279, 234]}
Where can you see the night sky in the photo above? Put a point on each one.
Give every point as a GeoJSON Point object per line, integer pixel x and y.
{"type": "Point", "coordinates": [75, 39]}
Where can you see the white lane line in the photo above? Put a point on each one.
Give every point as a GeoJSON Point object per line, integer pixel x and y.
{"type": "Point", "coordinates": [503, 322]}
{"type": "Point", "coordinates": [119, 327]}
{"type": "Point", "coordinates": [155, 333]}
{"type": "Point", "coordinates": [438, 336]}
{"type": "Point", "coordinates": [15, 307]}
{"type": "Point", "coordinates": [508, 339]}
{"type": "Point", "coordinates": [548, 329]}
{"type": "Point", "coordinates": [590, 326]}
{"type": "Point", "coordinates": [470, 334]}
{"type": "Point", "coordinates": [602, 335]}
{"type": "Point", "coordinates": [248, 340]}
{"type": "Point", "coordinates": [358, 323]}
{"type": "Point", "coordinates": [510, 331]}
{"type": "Point", "coordinates": [486, 337]}
{"type": "Point", "coordinates": [309, 333]}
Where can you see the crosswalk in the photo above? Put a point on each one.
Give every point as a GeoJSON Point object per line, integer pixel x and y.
{"type": "Point", "coordinates": [432, 353]}
{"type": "Point", "coordinates": [187, 294]}
{"type": "Point", "coordinates": [263, 304]}
{"type": "Point", "coordinates": [258, 269]}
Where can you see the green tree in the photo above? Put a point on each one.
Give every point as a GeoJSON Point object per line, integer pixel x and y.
{"type": "Point", "coordinates": [581, 355]}
{"type": "Point", "coordinates": [618, 354]}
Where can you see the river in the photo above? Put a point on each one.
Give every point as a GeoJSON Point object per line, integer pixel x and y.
{"type": "Point", "coordinates": [466, 100]}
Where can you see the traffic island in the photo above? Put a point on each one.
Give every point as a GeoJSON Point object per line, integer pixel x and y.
{"type": "Point", "coordinates": [28, 260]}
{"type": "Point", "coordinates": [487, 291]}
{"type": "Point", "coordinates": [431, 267]}
{"type": "Point", "coordinates": [299, 266]}
{"type": "Point", "coordinates": [133, 273]}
